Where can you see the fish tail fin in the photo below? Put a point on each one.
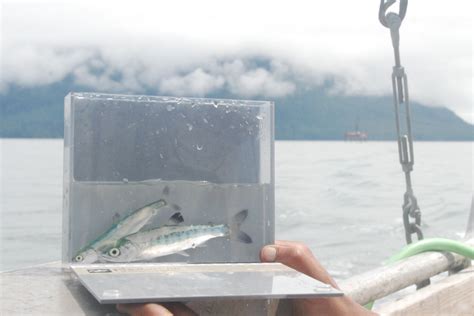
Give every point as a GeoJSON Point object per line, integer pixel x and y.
{"type": "Point", "coordinates": [235, 232]}
{"type": "Point", "coordinates": [175, 219]}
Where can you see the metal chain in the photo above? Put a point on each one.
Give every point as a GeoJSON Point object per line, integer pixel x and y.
{"type": "Point", "coordinates": [393, 21]}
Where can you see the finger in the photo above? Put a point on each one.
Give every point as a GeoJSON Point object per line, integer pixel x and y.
{"type": "Point", "coordinates": [296, 256]}
{"type": "Point", "coordinates": [287, 242]}
{"type": "Point", "coordinates": [298, 249]}
{"type": "Point", "coordinates": [295, 244]}
{"type": "Point", "coordinates": [180, 309]}
{"type": "Point", "coordinates": [143, 310]}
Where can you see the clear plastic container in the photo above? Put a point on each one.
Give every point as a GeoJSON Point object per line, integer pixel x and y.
{"type": "Point", "coordinates": [208, 159]}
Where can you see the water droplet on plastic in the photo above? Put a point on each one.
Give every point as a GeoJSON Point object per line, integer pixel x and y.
{"type": "Point", "coordinates": [215, 104]}
{"type": "Point", "coordinates": [199, 147]}
{"type": "Point", "coordinates": [125, 180]}
{"type": "Point", "coordinates": [157, 132]}
{"type": "Point", "coordinates": [205, 120]}
{"type": "Point", "coordinates": [161, 156]}
{"type": "Point", "coordinates": [190, 127]}
{"type": "Point", "coordinates": [259, 117]}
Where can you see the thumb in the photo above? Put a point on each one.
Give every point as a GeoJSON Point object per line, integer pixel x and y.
{"type": "Point", "coordinates": [297, 256]}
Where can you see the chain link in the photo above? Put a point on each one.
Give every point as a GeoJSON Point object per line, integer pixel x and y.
{"type": "Point", "coordinates": [411, 210]}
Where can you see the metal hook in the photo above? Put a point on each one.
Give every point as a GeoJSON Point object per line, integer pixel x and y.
{"type": "Point", "coordinates": [384, 7]}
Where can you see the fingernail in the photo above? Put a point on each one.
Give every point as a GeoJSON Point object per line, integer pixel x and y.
{"type": "Point", "coordinates": [269, 253]}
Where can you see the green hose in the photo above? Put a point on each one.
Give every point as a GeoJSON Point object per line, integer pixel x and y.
{"type": "Point", "coordinates": [434, 244]}
{"type": "Point", "coordinates": [431, 244]}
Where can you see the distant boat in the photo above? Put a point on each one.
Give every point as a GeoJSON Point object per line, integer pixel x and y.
{"type": "Point", "coordinates": [356, 134]}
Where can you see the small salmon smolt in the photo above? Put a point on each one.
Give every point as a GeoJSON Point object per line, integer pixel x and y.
{"type": "Point", "coordinates": [166, 240]}
{"type": "Point", "coordinates": [129, 225]}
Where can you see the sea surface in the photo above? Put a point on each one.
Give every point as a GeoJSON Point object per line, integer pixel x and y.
{"type": "Point", "coordinates": [343, 199]}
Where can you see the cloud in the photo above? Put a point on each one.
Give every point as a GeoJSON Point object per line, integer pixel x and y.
{"type": "Point", "coordinates": [258, 81]}
{"type": "Point", "coordinates": [30, 65]}
{"type": "Point", "coordinates": [198, 83]}
{"type": "Point", "coordinates": [237, 77]}
{"type": "Point", "coordinates": [100, 75]}
{"type": "Point", "coordinates": [245, 47]}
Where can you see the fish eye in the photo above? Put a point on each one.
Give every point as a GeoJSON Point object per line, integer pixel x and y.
{"type": "Point", "coordinates": [114, 252]}
{"type": "Point", "coordinates": [79, 258]}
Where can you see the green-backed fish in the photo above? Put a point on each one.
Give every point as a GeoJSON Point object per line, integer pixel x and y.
{"type": "Point", "coordinates": [166, 240]}
{"type": "Point", "coordinates": [129, 225]}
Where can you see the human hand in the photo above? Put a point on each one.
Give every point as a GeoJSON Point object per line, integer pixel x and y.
{"type": "Point", "coordinates": [151, 309]}
{"type": "Point", "coordinates": [292, 254]}
{"type": "Point", "coordinates": [299, 257]}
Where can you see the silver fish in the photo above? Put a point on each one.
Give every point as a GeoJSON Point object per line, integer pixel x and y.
{"type": "Point", "coordinates": [129, 225]}
{"type": "Point", "coordinates": [168, 240]}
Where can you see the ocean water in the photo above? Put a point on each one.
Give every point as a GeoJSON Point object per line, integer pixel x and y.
{"type": "Point", "coordinates": [343, 199]}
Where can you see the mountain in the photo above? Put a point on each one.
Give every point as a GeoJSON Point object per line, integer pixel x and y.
{"type": "Point", "coordinates": [318, 115]}
{"type": "Point", "coordinates": [307, 114]}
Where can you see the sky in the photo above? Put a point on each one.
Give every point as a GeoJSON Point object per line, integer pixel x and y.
{"type": "Point", "coordinates": [195, 48]}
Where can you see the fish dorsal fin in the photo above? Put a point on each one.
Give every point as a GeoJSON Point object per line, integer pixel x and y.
{"type": "Point", "coordinates": [175, 219]}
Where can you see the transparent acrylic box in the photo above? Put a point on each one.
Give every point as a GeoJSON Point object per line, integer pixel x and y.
{"type": "Point", "coordinates": [208, 159]}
